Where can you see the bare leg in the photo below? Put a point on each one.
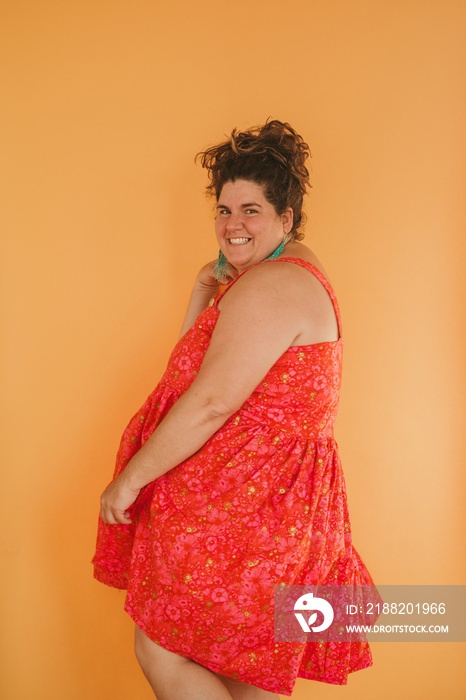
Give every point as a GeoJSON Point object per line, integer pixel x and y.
{"type": "Point", "coordinates": [174, 677]}
{"type": "Point", "coordinates": [245, 691]}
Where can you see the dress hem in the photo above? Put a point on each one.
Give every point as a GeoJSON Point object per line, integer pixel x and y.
{"type": "Point", "coordinates": [216, 668]}
{"type": "Point", "coordinates": [110, 579]}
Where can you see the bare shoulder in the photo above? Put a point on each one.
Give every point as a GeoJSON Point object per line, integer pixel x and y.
{"type": "Point", "coordinates": [269, 283]}
{"type": "Point", "coordinates": [287, 293]}
{"type": "Point", "coordinates": [295, 249]}
{"type": "Point", "coordinates": [281, 278]}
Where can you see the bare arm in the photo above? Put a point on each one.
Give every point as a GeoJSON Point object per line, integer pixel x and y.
{"type": "Point", "coordinates": [259, 320]}
{"type": "Point", "coordinates": [205, 287]}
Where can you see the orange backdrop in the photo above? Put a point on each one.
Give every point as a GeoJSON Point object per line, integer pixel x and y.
{"type": "Point", "coordinates": [104, 225]}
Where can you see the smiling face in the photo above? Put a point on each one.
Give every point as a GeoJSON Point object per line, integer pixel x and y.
{"type": "Point", "coordinates": [247, 226]}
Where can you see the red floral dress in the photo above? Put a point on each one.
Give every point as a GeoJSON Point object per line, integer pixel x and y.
{"type": "Point", "coordinates": [261, 503]}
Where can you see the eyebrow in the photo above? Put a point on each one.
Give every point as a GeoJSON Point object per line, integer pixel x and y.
{"type": "Point", "coordinates": [243, 206]}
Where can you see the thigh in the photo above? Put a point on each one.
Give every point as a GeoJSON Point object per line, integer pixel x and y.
{"type": "Point", "coordinates": [161, 667]}
{"type": "Point", "coordinates": [151, 654]}
{"type": "Point", "coordinates": [175, 677]}
{"type": "Point", "coordinates": [244, 691]}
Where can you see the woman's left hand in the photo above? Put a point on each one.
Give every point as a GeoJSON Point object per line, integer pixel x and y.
{"type": "Point", "coordinates": [115, 501]}
{"type": "Point", "coordinates": [205, 280]}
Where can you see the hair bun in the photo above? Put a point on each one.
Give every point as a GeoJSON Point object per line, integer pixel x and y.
{"type": "Point", "coordinates": [278, 140]}
{"type": "Point", "coordinates": [273, 155]}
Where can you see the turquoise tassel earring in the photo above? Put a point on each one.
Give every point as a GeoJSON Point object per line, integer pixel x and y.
{"type": "Point", "coordinates": [221, 271]}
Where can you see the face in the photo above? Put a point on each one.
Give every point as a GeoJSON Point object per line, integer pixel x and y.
{"type": "Point", "coordinates": [247, 226]}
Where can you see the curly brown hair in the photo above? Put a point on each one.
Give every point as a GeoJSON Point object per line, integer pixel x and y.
{"type": "Point", "coordinates": [272, 155]}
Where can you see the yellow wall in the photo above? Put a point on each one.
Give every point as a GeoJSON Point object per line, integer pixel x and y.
{"type": "Point", "coordinates": [104, 224]}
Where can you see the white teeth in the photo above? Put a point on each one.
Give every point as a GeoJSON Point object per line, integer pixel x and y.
{"type": "Point", "coordinates": [237, 241]}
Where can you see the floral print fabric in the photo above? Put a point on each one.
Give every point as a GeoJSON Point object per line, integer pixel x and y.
{"type": "Point", "coordinates": [263, 502]}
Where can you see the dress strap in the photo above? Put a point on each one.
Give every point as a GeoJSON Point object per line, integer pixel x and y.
{"type": "Point", "coordinates": [302, 263]}
{"type": "Point", "coordinates": [323, 280]}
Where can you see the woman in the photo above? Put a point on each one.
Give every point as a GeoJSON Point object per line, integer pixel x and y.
{"type": "Point", "coordinates": [228, 479]}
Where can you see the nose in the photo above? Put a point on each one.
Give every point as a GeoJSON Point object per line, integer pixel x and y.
{"type": "Point", "coordinates": [234, 222]}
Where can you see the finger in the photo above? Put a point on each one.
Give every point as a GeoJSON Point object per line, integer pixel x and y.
{"type": "Point", "coordinates": [115, 517]}
{"type": "Point", "coordinates": [124, 519]}
{"type": "Point", "coordinates": [121, 518]}
{"type": "Point", "coordinates": [108, 518]}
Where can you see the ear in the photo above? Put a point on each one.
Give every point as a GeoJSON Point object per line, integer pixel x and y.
{"type": "Point", "coordinates": [287, 220]}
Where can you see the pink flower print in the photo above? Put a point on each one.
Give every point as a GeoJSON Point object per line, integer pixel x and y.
{"type": "Point", "coordinates": [172, 612]}
{"type": "Point", "coordinates": [275, 389]}
{"type": "Point", "coordinates": [286, 544]}
{"type": "Point", "coordinates": [157, 548]}
{"type": "Point", "coordinates": [322, 451]}
{"type": "Point", "coordinates": [235, 615]}
{"type": "Point", "coordinates": [253, 573]}
{"type": "Point", "coordinates": [184, 544]}
{"type": "Point", "coordinates": [244, 600]}
{"type": "Point", "coordinates": [161, 501]}
{"type": "Point", "coordinates": [248, 586]}
{"type": "Point", "coordinates": [231, 478]}
{"type": "Point", "coordinates": [276, 414]}
{"type": "Point", "coordinates": [213, 542]}
{"type": "Point", "coordinates": [184, 363]}
{"type": "Point", "coordinates": [335, 540]}
{"type": "Point", "coordinates": [255, 521]}
{"type": "Point", "coordinates": [217, 516]}
{"type": "Point", "coordinates": [219, 595]}
{"type": "Point", "coordinates": [317, 541]}
{"type": "Point", "coordinates": [187, 649]}
{"type": "Point", "coordinates": [195, 485]}
{"type": "Point", "coordinates": [141, 552]}
{"type": "Point", "coordinates": [260, 447]}
{"type": "Point", "coordinates": [114, 564]}
{"type": "Point", "coordinates": [223, 484]}
{"type": "Point", "coordinates": [163, 574]}
{"type": "Point", "coordinates": [228, 632]}
{"type": "Point", "coordinates": [280, 569]}
{"type": "Point", "coordinates": [257, 576]}
{"type": "Point", "coordinates": [301, 489]}
{"type": "Point", "coordinates": [320, 382]}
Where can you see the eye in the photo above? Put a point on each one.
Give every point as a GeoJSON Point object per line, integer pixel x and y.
{"type": "Point", "coordinates": [251, 211]}
{"type": "Point", "coordinates": [223, 212]}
